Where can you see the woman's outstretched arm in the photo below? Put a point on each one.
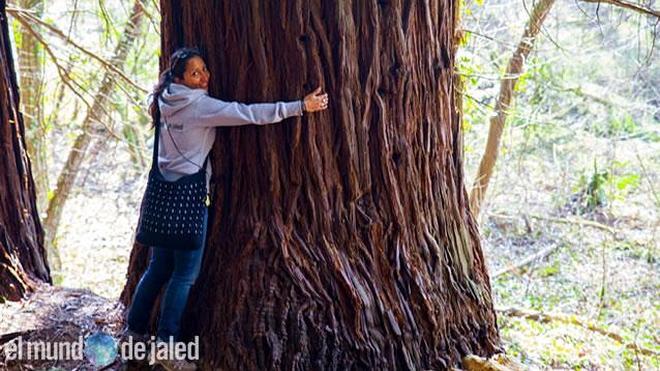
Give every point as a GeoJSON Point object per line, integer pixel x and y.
{"type": "Point", "coordinates": [215, 112]}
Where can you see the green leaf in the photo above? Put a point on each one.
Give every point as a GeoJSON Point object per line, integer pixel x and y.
{"type": "Point", "coordinates": [626, 181]}
{"type": "Point", "coordinates": [550, 270]}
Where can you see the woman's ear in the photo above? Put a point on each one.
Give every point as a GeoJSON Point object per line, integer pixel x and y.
{"type": "Point", "coordinates": [176, 80]}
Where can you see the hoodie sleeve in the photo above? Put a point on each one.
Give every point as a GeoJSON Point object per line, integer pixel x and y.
{"type": "Point", "coordinates": [215, 112]}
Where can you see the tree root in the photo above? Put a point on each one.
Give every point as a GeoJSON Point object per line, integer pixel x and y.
{"type": "Point", "coordinates": [573, 320]}
{"type": "Point", "coordinates": [498, 362]}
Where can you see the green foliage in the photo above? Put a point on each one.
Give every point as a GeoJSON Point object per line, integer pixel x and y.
{"type": "Point", "coordinates": [540, 137]}
{"type": "Point", "coordinates": [535, 302]}
{"type": "Point", "coordinates": [468, 70]}
{"type": "Point", "coordinates": [619, 124]}
{"type": "Point", "coordinates": [594, 188]}
{"type": "Point", "coordinates": [549, 270]}
{"type": "Point", "coordinates": [622, 182]}
{"type": "Point", "coordinates": [110, 31]}
{"type": "Point", "coordinates": [573, 94]}
{"type": "Point", "coordinates": [636, 250]}
{"type": "Point", "coordinates": [599, 187]}
{"type": "Point", "coordinates": [58, 279]}
{"type": "Point", "coordinates": [466, 9]}
{"type": "Point", "coordinates": [50, 194]}
{"type": "Point", "coordinates": [625, 182]}
{"type": "Point", "coordinates": [473, 113]}
{"type": "Point", "coordinates": [17, 34]}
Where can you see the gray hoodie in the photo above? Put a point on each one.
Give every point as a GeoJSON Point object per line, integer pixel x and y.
{"type": "Point", "coordinates": [192, 116]}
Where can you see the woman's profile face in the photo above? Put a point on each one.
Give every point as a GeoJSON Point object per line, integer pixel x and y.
{"type": "Point", "coordinates": [196, 76]}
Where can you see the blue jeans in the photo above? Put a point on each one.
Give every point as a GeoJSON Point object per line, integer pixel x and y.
{"type": "Point", "coordinates": [180, 268]}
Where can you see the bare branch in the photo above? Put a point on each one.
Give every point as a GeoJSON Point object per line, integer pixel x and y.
{"type": "Point", "coordinates": [61, 71]}
{"type": "Point", "coordinates": [526, 261]}
{"type": "Point", "coordinates": [150, 17]}
{"type": "Point", "coordinates": [67, 80]}
{"type": "Point", "coordinates": [628, 5]}
{"type": "Point", "coordinates": [27, 17]}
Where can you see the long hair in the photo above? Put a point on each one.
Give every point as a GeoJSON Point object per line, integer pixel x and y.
{"type": "Point", "coordinates": [175, 68]}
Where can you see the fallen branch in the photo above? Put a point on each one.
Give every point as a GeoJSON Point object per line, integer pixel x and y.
{"type": "Point", "coordinates": [536, 256]}
{"type": "Point", "coordinates": [573, 320]}
{"type": "Point", "coordinates": [587, 223]}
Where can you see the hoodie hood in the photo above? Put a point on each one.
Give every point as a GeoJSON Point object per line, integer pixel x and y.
{"type": "Point", "coordinates": [177, 97]}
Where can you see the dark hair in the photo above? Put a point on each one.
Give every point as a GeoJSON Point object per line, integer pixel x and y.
{"type": "Point", "coordinates": [176, 68]}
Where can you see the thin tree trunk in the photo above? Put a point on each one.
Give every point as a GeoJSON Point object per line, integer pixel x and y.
{"type": "Point", "coordinates": [504, 102]}
{"type": "Point", "coordinates": [342, 239]}
{"type": "Point", "coordinates": [23, 260]}
{"type": "Point", "coordinates": [91, 124]}
{"type": "Point", "coordinates": [507, 91]}
{"type": "Point", "coordinates": [30, 70]}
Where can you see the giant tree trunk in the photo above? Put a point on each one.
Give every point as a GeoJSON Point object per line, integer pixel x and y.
{"type": "Point", "coordinates": [341, 240]}
{"type": "Point", "coordinates": [22, 256]}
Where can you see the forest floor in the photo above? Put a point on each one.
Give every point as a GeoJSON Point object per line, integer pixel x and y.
{"type": "Point", "coordinates": [58, 315]}
{"type": "Point", "coordinates": [588, 296]}
{"type": "Point", "coordinates": [586, 299]}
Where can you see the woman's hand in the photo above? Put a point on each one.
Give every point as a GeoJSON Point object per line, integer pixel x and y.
{"type": "Point", "coordinates": [315, 101]}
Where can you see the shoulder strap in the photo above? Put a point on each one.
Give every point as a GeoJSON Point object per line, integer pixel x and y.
{"type": "Point", "coordinates": [201, 168]}
{"type": "Point", "coordinates": [154, 160]}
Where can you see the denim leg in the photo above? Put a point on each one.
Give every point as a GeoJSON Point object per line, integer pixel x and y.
{"type": "Point", "coordinates": [187, 264]}
{"type": "Point", "coordinates": [160, 268]}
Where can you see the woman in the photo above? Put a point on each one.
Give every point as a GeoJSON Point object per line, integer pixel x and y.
{"type": "Point", "coordinates": [188, 117]}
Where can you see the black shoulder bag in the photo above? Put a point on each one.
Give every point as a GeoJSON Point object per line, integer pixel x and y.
{"type": "Point", "coordinates": [172, 213]}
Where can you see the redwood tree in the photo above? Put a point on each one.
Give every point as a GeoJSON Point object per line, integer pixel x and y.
{"type": "Point", "coordinates": [22, 256]}
{"type": "Point", "coordinates": [341, 239]}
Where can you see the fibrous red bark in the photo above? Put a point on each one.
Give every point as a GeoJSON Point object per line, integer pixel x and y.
{"type": "Point", "coordinates": [22, 255]}
{"type": "Point", "coordinates": [341, 239]}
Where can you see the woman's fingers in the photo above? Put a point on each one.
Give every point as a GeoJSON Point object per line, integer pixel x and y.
{"type": "Point", "coordinates": [321, 101]}
{"type": "Point", "coordinates": [315, 101]}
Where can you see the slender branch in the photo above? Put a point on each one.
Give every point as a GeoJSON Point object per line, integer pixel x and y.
{"type": "Point", "coordinates": [628, 5]}
{"type": "Point", "coordinates": [647, 177]}
{"type": "Point", "coordinates": [587, 223]}
{"type": "Point", "coordinates": [528, 260]}
{"type": "Point", "coordinates": [150, 17]}
{"type": "Point", "coordinates": [507, 44]}
{"type": "Point", "coordinates": [18, 13]}
{"type": "Point", "coordinates": [65, 76]}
